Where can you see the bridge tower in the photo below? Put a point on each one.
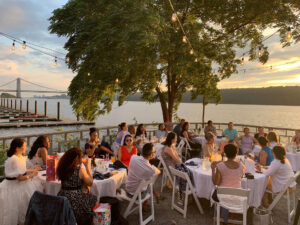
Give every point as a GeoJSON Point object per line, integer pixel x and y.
{"type": "Point", "coordinates": [18, 92]}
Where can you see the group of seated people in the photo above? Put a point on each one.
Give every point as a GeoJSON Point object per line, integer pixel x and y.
{"type": "Point", "coordinates": [20, 182]}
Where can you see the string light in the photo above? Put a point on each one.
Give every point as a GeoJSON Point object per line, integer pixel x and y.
{"type": "Point", "coordinates": [24, 45]}
{"type": "Point", "coordinates": [184, 40]}
{"type": "Point", "coordinates": [242, 63]}
{"type": "Point", "coordinates": [13, 47]}
{"type": "Point", "coordinates": [196, 59]}
{"type": "Point", "coordinates": [191, 51]}
{"type": "Point", "coordinates": [117, 80]}
{"type": "Point", "coordinates": [223, 72]}
{"type": "Point", "coordinates": [89, 74]}
{"type": "Point", "coordinates": [55, 62]}
{"type": "Point", "coordinates": [231, 68]}
{"type": "Point", "coordinates": [289, 34]}
{"type": "Point", "coordinates": [259, 52]}
{"type": "Point", "coordinates": [174, 17]}
{"type": "Point", "coordinates": [67, 59]}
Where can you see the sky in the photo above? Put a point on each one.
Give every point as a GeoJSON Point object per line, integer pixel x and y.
{"type": "Point", "coordinates": [28, 20]}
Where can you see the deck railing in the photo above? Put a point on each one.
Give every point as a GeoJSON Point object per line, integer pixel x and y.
{"type": "Point", "coordinates": [62, 140]}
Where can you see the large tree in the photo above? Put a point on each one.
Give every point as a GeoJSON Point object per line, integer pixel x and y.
{"type": "Point", "coordinates": [129, 46]}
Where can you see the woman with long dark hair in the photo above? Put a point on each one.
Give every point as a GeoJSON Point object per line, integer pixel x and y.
{"type": "Point", "coordinates": [169, 152]}
{"type": "Point", "coordinates": [187, 135]}
{"type": "Point", "coordinates": [73, 178]}
{"type": "Point", "coordinates": [141, 131]}
{"type": "Point", "coordinates": [39, 151]}
{"type": "Point", "coordinates": [94, 148]}
{"type": "Point", "coordinates": [18, 186]}
{"type": "Point", "coordinates": [279, 172]}
{"type": "Point", "coordinates": [127, 150]}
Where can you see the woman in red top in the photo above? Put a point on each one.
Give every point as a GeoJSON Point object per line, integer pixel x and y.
{"type": "Point", "coordinates": [127, 150]}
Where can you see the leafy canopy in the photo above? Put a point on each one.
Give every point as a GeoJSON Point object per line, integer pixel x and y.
{"type": "Point", "coordinates": [135, 42]}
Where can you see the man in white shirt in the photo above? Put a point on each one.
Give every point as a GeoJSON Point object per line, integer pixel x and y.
{"type": "Point", "coordinates": [140, 169]}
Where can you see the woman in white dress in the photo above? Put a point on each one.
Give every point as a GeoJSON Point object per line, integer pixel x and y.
{"type": "Point", "coordinates": [37, 157]}
{"type": "Point", "coordinates": [18, 186]}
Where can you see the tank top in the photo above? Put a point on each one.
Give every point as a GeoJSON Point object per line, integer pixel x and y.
{"type": "Point", "coordinates": [126, 156]}
{"type": "Point", "coordinates": [270, 157]}
{"type": "Point", "coordinates": [230, 177]}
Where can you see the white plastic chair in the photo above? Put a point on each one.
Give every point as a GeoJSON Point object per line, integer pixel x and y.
{"type": "Point", "coordinates": [183, 143]}
{"type": "Point", "coordinates": [166, 173]}
{"type": "Point", "coordinates": [242, 197]}
{"type": "Point", "coordinates": [180, 147]}
{"type": "Point", "coordinates": [188, 191]}
{"type": "Point", "coordinates": [137, 199]}
{"type": "Point", "coordinates": [291, 212]}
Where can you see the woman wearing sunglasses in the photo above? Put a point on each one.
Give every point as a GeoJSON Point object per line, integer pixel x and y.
{"type": "Point", "coordinates": [127, 150]}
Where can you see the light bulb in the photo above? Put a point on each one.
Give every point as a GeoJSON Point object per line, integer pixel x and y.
{"type": "Point", "coordinates": [259, 52]}
{"type": "Point", "coordinates": [89, 74]}
{"type": "Point", "coordinates": [174, 17]}
{"type": "Point", "coordinates": [55, 62]}
{"type": "Point", "coordinates": [196, 59]}
{"type": "Point", "coordinates": [191, 51]}
{"type": "Point", "coordinates": [242, 63]}
{"type": "Point", "coordinates": [223, 72]}
{"type": "Point", "coordinates": [13, 47]}
{"type": "Point", "coordinates": [289, 34]}
{"type": "Point", "coordinates": [67, 59]}
{"type": "Point", "coordinates": [117, 80]}
{"type": "Point", "coordinates": [184, 39]}
{"type": "Point", "coordinates": [24, 45]}
{"type": "Point", "coordinates": [231, 68]}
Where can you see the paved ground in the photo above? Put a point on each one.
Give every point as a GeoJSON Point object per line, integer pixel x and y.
{"type": "Point", "coordinates": [164, 214]}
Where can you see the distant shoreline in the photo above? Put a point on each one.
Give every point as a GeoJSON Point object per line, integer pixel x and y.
{"type": "Point", "coordinates": [285, 96]}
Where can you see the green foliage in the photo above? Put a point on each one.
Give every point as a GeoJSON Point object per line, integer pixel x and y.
{"type": "Point", "coordinates": [135, 42]}
{"type": "Point", "coordinates": [71, 140]}
{"type": "Point", "coordinates": [3, 157]}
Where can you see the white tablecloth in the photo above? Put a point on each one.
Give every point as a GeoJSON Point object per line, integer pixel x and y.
{"type": "Point", "coordinates": [100, 188]}
{"type": "Point", "coordinates": [204, 185]}
{"type": "Point", "coordinates": [294, 159]}
{"type": "Point", "coordinates": [201, 140]}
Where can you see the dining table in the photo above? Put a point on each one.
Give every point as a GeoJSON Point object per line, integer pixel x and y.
{"type": "Point", "coordinates": [202, 178]}
{"type": "Point", "coordinates": [99, 188]}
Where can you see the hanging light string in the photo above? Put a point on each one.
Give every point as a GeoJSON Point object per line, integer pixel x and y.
{"type": "Point", "coordinates": [185, 39]}
{"type": "Point", "coordinates": [35, 47]}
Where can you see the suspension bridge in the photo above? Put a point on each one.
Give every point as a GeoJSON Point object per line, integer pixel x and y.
{"type": "Point", "coordinates": [18, 90]}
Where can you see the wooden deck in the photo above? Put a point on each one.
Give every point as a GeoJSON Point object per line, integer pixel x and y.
{"type": "Point", "coordinates": [13, 120]}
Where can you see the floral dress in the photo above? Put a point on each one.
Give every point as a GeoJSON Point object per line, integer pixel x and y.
{"type": "Point", "coordinates": [82, 203]}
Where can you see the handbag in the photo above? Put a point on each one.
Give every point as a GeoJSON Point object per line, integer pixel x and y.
{"type": "Point", "coordinates": [262, 217]}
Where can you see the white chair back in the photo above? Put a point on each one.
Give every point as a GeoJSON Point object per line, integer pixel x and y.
{"type": "Point", "coordinates": [166, 173]}
{"type": "Point", "coordinates": [137, 199]}
{"type": "Point", "coordinates": [189, 190]}
{"type": "Point", "coordinates": [238, 195]}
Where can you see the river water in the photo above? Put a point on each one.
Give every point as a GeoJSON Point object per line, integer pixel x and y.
{"type": "Point", "coordinates": [130, 112]}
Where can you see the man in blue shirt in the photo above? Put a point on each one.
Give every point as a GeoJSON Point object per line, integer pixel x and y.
{"type": "Point", "coordinates": [230, 132]}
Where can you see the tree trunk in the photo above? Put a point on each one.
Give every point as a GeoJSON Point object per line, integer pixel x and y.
{"type": "Point", "coordinates": [203, 110]}
{"type": "Point", "coordinates": [163, 105]}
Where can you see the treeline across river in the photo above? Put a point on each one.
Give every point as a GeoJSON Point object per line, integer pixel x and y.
{"type": "Point", "coordinates": [289, 95]}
